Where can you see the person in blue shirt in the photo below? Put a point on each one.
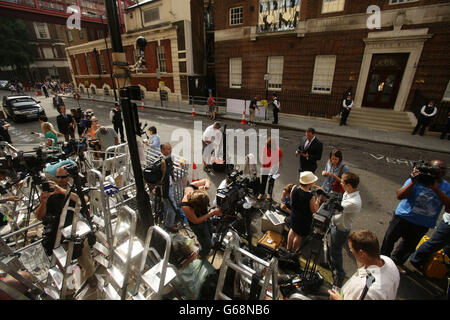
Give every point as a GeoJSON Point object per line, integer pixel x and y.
{"type": "Point", "coordinates": [153, 140]}
{"type": "Point", "coordinates": [417, 212]}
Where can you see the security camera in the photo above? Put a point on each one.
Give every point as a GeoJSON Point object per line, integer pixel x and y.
{"type": "Point", "coordinates": [141, 43]}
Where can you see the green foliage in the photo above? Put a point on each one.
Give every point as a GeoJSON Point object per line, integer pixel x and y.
{"type": "Point", "coordinates": [15, 49]}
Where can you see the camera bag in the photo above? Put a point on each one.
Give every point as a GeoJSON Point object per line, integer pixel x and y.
{"type": "Point", "coordinates": [271, 241]}
{"type": "Point", "coordinates": [435, 266]}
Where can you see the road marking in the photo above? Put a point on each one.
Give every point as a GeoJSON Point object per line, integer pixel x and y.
{"type": "Point", "coordinates": [409, 163]}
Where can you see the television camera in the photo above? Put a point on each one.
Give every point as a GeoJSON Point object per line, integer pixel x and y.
{"type": "Point", "coordinates": [322, 218]}
{"type": "Point", "coordinates": [236, 208]}
{"type": "Point", "coordinates": [231, 199]}
{"type": "Point", "coordinates": [428, 174]}
{"type": "Point", "coordinates": [30, 163]}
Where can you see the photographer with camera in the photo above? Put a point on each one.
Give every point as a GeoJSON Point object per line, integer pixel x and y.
{"type": "Point", "coordinates": [422, 197]}
{"type": "Point", "coordinates": [195, 205]}
{"type": "Point", "coordinates": [303, 206]}
{"type": "Point", "coordinates": [49, 211]}
{"type": "Point", "coordinates": [376, 278]}
{"type": "Point", "coordinates": [341, 223]}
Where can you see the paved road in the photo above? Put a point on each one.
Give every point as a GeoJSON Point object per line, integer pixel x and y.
{"type": "Point", "coordinates": [382, 169]}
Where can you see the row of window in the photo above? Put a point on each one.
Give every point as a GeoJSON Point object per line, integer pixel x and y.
{"type": "Point", "coordinates": [322, 79]}
{"type": "Point", "coordinates": [159, 52]}
{"type": "Point", "coordinates": [328, 6]}
{"type": "Point", "coordinates": [48, 53]}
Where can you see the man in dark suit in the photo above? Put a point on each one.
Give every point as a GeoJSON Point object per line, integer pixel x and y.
{"type": "Point", "coordinates": [57, 101]}
{"type": "Point", "coordinates": [310, 151]}
{"type": "Point", "coordinates": [65, 124]}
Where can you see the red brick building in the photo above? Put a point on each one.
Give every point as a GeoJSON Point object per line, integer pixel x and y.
{"type": "Point", "coordinates": [175, 51]}
{"type": "Point", "coordinates": [311, 51]}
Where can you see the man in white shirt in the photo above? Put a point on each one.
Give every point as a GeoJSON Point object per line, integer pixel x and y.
{"type": "Point", "coordinates": [426, 115]}
{"type": "Point", "coordinates": [107, 137]}
{"type": "Point", "coordinates": [341, 223]}
{"type": "Point", "coordinates": [365, 248]}
{"type": "Point", "coordinates": [211, 138]}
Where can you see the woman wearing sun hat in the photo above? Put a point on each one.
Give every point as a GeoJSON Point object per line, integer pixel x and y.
{"type": "Point", "coordinates": [303, 206]}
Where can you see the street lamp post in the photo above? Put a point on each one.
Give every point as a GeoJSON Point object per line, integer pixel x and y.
{"type": "Point", "coordinates": [109, 61]}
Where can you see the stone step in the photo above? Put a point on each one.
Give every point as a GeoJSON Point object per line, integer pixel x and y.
{"type": "Point", "coordinates": [380, 126]}
{"type": "Point", "coordinates": [386, 121]}
{"type": "Point", "coordinates": [403, 117]}
{"type": "Point", "coordinates": [377, 110]}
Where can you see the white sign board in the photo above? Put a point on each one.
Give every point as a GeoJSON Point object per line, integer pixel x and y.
{"type": "Point", "coordinates": [235, 106]}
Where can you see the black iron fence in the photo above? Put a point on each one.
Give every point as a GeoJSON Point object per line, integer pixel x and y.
{"type": "Point", "coordinates": [295, 102]}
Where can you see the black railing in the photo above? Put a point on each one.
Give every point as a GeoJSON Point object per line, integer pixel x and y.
{"type": "Point", "coordinates": [294, 102]}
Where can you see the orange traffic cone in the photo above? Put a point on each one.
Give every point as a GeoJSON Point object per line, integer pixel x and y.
{"type": "Point", "coordinates": [142, 104]}
{"type": "Point", "coordinates": [243, 121]}
{"type": "Point", "coordinates": [193, 113]}
{"type": "Point", "coordinates": [194, 173]}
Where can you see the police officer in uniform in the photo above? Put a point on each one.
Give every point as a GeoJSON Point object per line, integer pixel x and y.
{"type": "Point", "coordinates": [116, 118]}
{"type": "Point", "coordinates": [426, 115]}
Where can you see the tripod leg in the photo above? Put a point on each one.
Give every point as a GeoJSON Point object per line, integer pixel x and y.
{"type": "Point", "coordinates": [29, 210]}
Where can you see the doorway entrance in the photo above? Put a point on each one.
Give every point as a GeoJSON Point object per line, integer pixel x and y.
{"type": "Point", "coordinates": [383, 82]}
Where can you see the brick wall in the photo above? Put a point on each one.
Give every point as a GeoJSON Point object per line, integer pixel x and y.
{"type": "Point", "coordinates": [93, 61]}
{"type": "Point", "coordinates": [433, 71]}
{"type": "Point", "coordinates": [168, 54]}
{"type": "Point", "coordinates": [250, 9]}
{"type": "Point", "coordinates": [150, 56]}
{"type": "Point", "coordinates": [299, 59]}
{"type": "Point", "coordinates": [74, 68]}
{"type": "Point", "coordinates": [310, 9]}
{"type": "Point", "coordinates": [198, 36]}
{"type": "Point", "coordinates": [81, 58]}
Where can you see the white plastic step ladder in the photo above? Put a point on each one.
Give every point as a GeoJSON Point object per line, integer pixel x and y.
{"type": "Point", "coordinates": [127, 249]}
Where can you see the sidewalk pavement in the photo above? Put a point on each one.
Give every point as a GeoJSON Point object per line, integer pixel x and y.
{"type": "Point", "coordinates": [321, 125]}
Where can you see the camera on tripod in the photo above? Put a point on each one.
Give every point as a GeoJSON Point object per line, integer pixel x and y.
{"type": "Point", "coordinates": [322, 218]}
{"type": "Point", "coordinates": [29, 163]}
{"type": "Point", "coordinates": [231, 199]}
{"type": "Point", "coordinates": [72, 170]}
{"type": "Point", "coordinates": [428, 174]}
{"type": "Point", "coordinates": [75, 147]}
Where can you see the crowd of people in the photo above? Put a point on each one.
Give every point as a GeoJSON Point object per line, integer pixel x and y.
{"type": "Point", "coordinates": [47, 87]}
{"type": "Point", "coordinates": [418, 211]}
